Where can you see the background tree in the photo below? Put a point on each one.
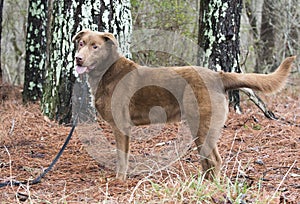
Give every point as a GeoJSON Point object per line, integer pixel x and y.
{"type": "Point", "coordinates": [275, 28]}
{"type": "Point", "coordinates": [219, 28]}
{"type": "Point", "coordinates": [57, 89]}
{"type": "Point", "coordinates": [265, 34]}
{"type": "Point", "coordinates": [169, 18]}
{"type": "Point", "coordinates": [12, 41]}
{"type": "Point", "coordinates": [1, 9]}
{"type": "Point", "coordinates": [36, 50]}
{"type": "Point", "coordinates": [266, 43]}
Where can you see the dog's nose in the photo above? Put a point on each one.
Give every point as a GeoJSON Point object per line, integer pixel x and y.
{"type": "Point", "coordinates": [79, 60]}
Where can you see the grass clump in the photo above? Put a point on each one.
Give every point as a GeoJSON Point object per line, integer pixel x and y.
{"type": "Point", "coordinates": [195, 189]}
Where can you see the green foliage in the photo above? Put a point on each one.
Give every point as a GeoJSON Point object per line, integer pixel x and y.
{"type": "Point", "coordinates": [135, 4]}
{"type": "Point", "coordinates": [157, 58]}
{"type": "Point", "coordinates": [179, 15]}
{"type": "Point", "coordinates": [256, 127]}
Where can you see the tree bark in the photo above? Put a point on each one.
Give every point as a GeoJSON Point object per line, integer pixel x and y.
{"type": "Point", "coordinates": [1, 15]}
{"type": "Point", "coordinates": [36, 49]}
{"type": "Point", "coordinates": [115, 17]}
{"type": "Point", "coordinates": [219, 28]}
{"type": "Point", "coordinates": [57, 92]}
{"type": "Point", "coordinates": [265, 59]}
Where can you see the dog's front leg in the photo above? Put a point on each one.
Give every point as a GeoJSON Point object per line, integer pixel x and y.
{"type": "Point", "coordinates": [122, 145]}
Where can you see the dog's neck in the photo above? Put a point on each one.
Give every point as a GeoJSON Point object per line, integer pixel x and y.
{"type": "Point", "coordinates": [100, 72]}
{"type": "Point", "coordinates": [117, 70]}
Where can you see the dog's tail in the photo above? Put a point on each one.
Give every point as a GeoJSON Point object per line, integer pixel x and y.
{"type": "Point", "coordinates": [267, 83]}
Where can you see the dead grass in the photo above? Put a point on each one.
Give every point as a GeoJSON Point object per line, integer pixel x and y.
{"type": "Point", "coordinates": [260, 161]}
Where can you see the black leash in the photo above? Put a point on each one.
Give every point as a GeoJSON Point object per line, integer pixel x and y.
{"type": "Point", "coordinates": [42, 175]}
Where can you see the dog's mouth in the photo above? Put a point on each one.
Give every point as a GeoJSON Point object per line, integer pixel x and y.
{"type": "Point", "coordinates": [82, 69]}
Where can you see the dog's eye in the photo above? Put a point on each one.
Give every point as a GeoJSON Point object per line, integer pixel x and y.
{"type": "Point", "coordinates": [95, 47]}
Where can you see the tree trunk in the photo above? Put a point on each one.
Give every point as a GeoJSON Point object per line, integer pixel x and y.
{"type": "Point", "coordinates": [115, 17]}
{"type": "Point", "coordinates": [1, 10]}
{"type": "Point", "coordinates": [68, 18]}
{"type": "Point", "coordinates": [219, 28]}
{"type": "Point", "coordinates": [276, 36]}
{"type": "Point", "coordinates": [265, 60]}
{"type": "Point", "coordinates": [36, 49]}
{"type": "Point", "coordinates": [57, 91]}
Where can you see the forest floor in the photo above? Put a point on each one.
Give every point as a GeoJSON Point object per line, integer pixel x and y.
{"type": "Point", "coordinates": [260, 159]}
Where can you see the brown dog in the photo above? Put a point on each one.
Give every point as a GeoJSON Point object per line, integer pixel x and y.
{"type": "Point", "coordinates": [127, 94]}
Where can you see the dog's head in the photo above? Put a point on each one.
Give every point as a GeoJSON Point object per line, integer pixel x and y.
{"type": "Point", "coordinates": [95, 50]}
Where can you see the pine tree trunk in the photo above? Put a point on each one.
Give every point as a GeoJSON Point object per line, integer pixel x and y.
{"type": "Point", "coordinates": [219, 28]}
{"type": "Point", "coordinates": [57, 91]}
{"type": "Point", "coordinates": [1, 10]}
{"type": "Point", "coordinates": [265, 60]}
{"type": "Point", "coordinates": [115, 17]}
{"type": "Point", "coordinates": [35, 50]}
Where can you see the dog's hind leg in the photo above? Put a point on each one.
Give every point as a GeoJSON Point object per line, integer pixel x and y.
{"type": "Point", "coordinates": [206, 130]}
{"type": "Point", "coordinates": [205, 124]}
{"type": "Point", "coordinates": [210, 161]}
{"type": "Point", "coordinates": [122, 145]}
{"type": "Point", "coordinates": [206, 142]}
{"type": "Point", "coordinates": [212, 121]}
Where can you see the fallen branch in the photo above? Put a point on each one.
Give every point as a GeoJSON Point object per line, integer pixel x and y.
{"type": "Point", "coordinates": [259, 103]}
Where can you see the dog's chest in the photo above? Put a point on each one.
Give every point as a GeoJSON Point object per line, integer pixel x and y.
{"type": "Point", "coordinates": [103, 102]}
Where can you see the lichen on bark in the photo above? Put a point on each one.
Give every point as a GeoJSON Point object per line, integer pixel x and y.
{"type": "Point", "coordinates": [220, 21]}
{"type": "Point", "coordinates": [35, 50]}
{"type": "Point", "coordinates": [57, 92]}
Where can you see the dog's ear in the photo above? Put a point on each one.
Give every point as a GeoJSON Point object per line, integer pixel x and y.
{"type": "Point", "coordinates": [79, 35]}
{"type": "Point", "coordinates": [110, 38]}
